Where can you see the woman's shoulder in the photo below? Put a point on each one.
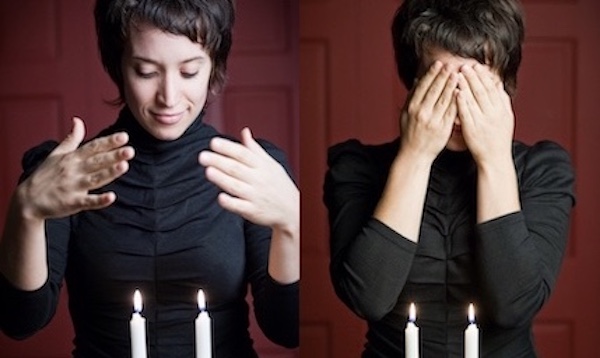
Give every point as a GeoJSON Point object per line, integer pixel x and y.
{"type": "Point", "coordinates": [545, 164]}
{"type": "Point", "coordinates": [34, 156]}
{"type": "Point", "coordinates": [353, 162]}
{"type": "Point", "coordinates": [542, 154]}
{"type": "Point", "coordinates": [353, 151]}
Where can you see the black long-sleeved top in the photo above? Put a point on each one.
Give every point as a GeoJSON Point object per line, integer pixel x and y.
{"type": "Point", "coordinates": [166, 235]}
{"type": "Point", "coordinates": [507, 266]}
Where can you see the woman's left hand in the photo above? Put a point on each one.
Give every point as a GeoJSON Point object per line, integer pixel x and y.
{"type": "Point", "coordinates": [486, 115]}
{"type": "Point", "coordinates": [254, 184]}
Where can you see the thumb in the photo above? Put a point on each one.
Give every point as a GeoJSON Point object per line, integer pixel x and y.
{"type": "Point", "coordinates": [72, 141]}
{"type": "Point", "coordinates": [248, 140]}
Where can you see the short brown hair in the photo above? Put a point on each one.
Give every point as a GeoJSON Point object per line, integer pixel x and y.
{"type": "Point", "coordinates": [490, 31]}
{"type": "Point", "coordinates": [208, 22]}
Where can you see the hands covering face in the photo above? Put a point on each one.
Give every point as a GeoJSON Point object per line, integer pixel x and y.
{"type": "Point", "coordinates": [473, 97]}
{"type": "Point", "coordinates": [485, 113]}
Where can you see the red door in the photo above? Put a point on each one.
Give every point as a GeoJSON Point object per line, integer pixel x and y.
{"type": "Point", "coordinates": [349, 88]}
{"type": "Point", "coordinates": [50, 72]}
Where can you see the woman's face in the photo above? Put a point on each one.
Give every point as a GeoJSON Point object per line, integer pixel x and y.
{"type": "Point", "coordinates": [166, 79]}
{"type": "Point", "coordinates": [456, 141]}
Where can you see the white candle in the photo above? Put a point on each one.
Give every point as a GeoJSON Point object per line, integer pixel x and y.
{"type": "Point", "coordinates": [411, 334]}
{"type": "Point", "coordinates": [472, 336]}
{"type": "Point", "coordinates": [137, 326]}
{"type": "Point", "coordinates": [203, 329]}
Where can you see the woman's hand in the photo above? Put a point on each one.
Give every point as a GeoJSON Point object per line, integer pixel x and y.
{"type": "Point", "coordinates": [486, 114]}
{"type": "Point", "coordinates": [429, 113]}
{"type": "Point", "coordinates": [255, 186]}
{"type": "Point", "coordinates": [57, 188]}
{"type": "Point", "coordinates": [60, 185]}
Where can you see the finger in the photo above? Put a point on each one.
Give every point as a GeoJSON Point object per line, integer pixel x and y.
{"type": "Point", "coordinates": [446, 98]}
{"type": "Point", "coordinates": [424, 83]}
{"type": "Point", "coordinates": [249, 141]}
{"type": "Point", "coordinates": [466, 93]}
{"type": "Point", "coordinates": [104, 160]}
{"type": "Point", "coordinates": [73, 139]}
{"type": "Point", "coordinates": [451, 111]}
{"type": "Point", "coordinates": [488, 78]}
{"type": "Point", "coordinates": [506, 99]}
{"type": "Point", "coordinates": [103, 177]}
{"type": "Point", "coordinates": [464, 111]}
{"type": "Point", "coordinates": [104, 144]}
{"type": "Point", "coordinates": [476, 86]}
{"type": "Point", "coordinates": [96, 201]}
{"type": "Point", "coordinates": [229, 184]}
{"type": "Point", "coordinates": [490, 81]}
{"type": "Point", "coordinates": [236, 205]}
{"type": "Point", "coordinates": [437, 87]}
{"type": "Point", "coordinates": [224, 164]}
{"type": "Point", "coordinates": [231, 149]}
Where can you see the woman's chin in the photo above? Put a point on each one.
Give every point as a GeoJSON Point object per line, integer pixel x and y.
{"type": "Point", "coordinates": [456, 144]}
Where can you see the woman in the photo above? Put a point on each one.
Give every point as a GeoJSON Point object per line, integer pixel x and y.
{"type": "Point", "coordinates": [454, 211]}
{"type": "Point", "coordinates": [158, 201]}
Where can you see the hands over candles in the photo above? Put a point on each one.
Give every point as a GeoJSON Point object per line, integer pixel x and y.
{"type": "Point", "coordinates": [60, 185]}
{"type": "Point", "coordinates": [255, 185]}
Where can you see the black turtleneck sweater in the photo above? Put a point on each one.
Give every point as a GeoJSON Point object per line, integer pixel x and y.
{"type": "Point", "coordinates": [166, 235]}
{"type": "Point", "coordinates": [507, 267]}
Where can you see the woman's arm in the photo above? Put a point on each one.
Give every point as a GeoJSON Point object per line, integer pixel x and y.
{"type": "Point", "coordinates": [258, 187]}
{"type": "Point", "coordinates": [59, 187]}
{"type": "Point", "coordinates": [55, 184]}
{"type": "Point", "coordinates": [519, 254]}
{"type": "Point", "coordinates": [370, 258]}
{"type": "Point", "coordinates": [522, 223]}
{"type": "Point", "coordinates": [369, 261]}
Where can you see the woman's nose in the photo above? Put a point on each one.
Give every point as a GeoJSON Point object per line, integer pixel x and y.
{"type": "Point", "coordinates": [167, 94]}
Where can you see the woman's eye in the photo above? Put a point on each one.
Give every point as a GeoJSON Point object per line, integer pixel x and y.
{"type": "Point", "coordinates": [143, 74]}
{"type": "Point", "coordinates": [189, 74]}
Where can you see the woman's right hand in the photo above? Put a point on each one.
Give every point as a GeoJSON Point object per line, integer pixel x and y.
{"type": "Point", "coordinates": [429, 112]}
{"type": "Point", "coordinates": [60, 185]}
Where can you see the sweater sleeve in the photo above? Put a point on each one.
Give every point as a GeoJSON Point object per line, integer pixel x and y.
{"type": "Point", "coordinates": [276, 306]}
{"type": "Point", "coordinates": [519, 255]}
{"type": "Point", "coordinates": [23, 313]}
{"type": "Point", "coordinates": [369, 261]}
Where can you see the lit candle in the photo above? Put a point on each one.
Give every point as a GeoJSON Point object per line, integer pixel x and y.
{"type": "Point", "coordinates": [472, 336]}
{"type": "Point", "coordinates": [137, 326]}
{"type": "Point", "coordinates": [411, 334]}
{"type": "Point", "coordinates": [203, 329]}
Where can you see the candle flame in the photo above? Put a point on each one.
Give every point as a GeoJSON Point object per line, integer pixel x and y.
{"type": "Point", "coordinates": [471, 313]}
{"type": "Point", "coordinates": [412, 313]}
{"type": "Point", "coordinates": [137, 301]}
{"type": "Point", "coordinates": [201, 300]}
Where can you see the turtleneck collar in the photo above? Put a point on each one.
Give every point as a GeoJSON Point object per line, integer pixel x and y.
{"type": "Point", "coordinates": [455, 161]}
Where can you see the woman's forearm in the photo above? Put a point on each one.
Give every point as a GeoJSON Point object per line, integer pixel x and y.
{"type": "Point", "coordinates": [23, 258]}
{"type": "Point", "coordinates": [401, 204]}
{"type": "Point", "coordinates": [497, 190]}
{"type": "Point", "coordinates": [284, 252]}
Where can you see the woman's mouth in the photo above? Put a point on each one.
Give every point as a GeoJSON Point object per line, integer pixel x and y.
{"type": "Point", "coordinates": [167, 118]}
